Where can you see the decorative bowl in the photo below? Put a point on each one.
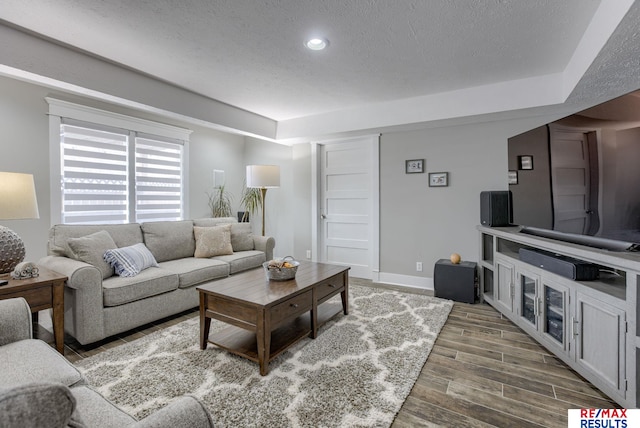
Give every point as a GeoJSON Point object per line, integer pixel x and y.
{"type": "Point", "coordinates": [281, 269]}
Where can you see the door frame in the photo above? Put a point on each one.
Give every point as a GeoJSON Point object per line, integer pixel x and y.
{"type": "Point", "coordinates": [374, 199]}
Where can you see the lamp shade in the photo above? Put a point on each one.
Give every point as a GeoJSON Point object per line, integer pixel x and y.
{"type": "Point", "coordinates": [17, 196]}
{"type": "Point", "coordinates": [263, 176]}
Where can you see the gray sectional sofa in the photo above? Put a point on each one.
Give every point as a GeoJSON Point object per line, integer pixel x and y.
{"type": "Point", "coordinates": [99, 303]}
{"type": "Point", "coordinates": [39, 388]}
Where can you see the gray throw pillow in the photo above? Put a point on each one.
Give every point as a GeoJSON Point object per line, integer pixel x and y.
{"type": "Point", "coordinates": [241, 237]}
{"type": "Point", "coordinates": [91, 248]}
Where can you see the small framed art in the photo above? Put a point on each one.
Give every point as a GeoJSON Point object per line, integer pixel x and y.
{"type": "Point", "coordinates": [513, 177]}
{"type": "Point", "coordinates": [414, 166]}
{"type": "Point", "coordinates": [438, 179]}
{"type": "Point", "coordinates": [525, 162]}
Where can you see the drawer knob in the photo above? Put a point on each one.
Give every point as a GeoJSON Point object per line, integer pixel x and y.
{"type": "Point", "coordinates": [294, 305]}
{"type": "Point", "coordinates": [332, 286]}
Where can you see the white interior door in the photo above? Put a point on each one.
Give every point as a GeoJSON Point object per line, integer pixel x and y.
{"type": "Point", "coordinates": [348, 204]}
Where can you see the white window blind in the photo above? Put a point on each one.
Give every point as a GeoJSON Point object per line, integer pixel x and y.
{"type": "Point", "coordinates": [108, 167]}
{"type": "Point", "coordinates": [94, 175]}
{"type": "Point", "coordinates": [158, 178]}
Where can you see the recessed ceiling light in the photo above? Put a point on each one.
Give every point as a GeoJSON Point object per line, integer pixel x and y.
{"type": "Point", "coordinates": [316, 44]}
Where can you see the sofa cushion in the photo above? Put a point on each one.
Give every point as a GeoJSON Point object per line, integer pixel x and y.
{"type": "Point", "coordinates": [91, 248]}
{"type": "Point", "coordinates": [241, 237]}
{"type": "Point", "coordinates": [42, 404]}
{"type": "Point", "coordinates": [130, 261]}
{"type": "Point", "coordinates": [123, 235]}
{"type": "Point", "coordinates": [243, 260]}
{"type": "Point", "coordinates": [119, 290]}
{"type": "Point", "coordinates": [213, 241]}
{"type": "Point", "coordinates": [32, 360]}
{"type": "Point", "coordinates": [169, 240]}
{"type": "Point", "coordinates": [96, 411]}
{"type": "Point", "coordinates": [192, 271]}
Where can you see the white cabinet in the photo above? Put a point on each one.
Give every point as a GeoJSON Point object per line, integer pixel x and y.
{"type": "Point", "coordinates": [590, 325]}
{"type": "Point", "coordinates": [599, 333]}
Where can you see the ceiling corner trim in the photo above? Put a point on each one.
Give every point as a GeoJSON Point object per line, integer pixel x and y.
{"type": "Point", "coordinates": [38, 61]}
{"type": "Point", "coordinates": [476, 101]}
{"type": "Point", "coordinates": [607, 18]}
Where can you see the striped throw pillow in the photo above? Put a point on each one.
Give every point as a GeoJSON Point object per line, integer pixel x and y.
{"type": "Point", "coordinates": [130, 261]}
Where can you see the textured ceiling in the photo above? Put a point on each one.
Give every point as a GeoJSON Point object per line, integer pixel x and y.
{"type": "Point", "coordinates": [250, 54]}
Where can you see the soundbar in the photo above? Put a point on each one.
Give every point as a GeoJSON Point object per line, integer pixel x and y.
{"type": "Point", "coordinates": [561, 265]}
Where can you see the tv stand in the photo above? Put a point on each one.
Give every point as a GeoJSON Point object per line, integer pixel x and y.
{"type": "Point", "coordinates": [591, 241]}
{"type": "Point", "coordinates": [590, 325]}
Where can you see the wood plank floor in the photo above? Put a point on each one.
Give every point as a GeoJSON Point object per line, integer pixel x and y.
{"type": "Point", "coordinates": [482, 372]}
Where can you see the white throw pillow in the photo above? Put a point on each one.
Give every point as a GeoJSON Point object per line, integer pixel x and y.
{"type": "Point", "coordinates": [213, 241]}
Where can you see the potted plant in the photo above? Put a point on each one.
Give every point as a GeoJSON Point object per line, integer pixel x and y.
{"type": "Point", "coordinates": [250, 201]}
{"type": "Point", "coordinates": [220, 202]}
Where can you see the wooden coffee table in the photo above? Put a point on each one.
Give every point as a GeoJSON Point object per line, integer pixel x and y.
{"type": "Point", "coordinates": [266, 317]}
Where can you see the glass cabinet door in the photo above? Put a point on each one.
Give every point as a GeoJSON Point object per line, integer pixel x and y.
{"type": "Point", "coordinates": [554, 321]}
{"type": "Point", "coordinates": [528, 286]}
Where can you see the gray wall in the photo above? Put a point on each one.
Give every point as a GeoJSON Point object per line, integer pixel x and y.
{"type": "Point", "coordinates": [422, 223]}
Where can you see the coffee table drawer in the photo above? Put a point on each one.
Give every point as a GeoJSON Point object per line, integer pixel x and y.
{"type": "Point", "coordinates": [329, 287]}
{"type": "Point", "coordinates": [292, 307]}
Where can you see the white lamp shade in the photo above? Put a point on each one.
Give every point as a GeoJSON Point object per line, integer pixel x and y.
{"type": "Point", "coordinates": [263, 176]}
{"type": "Point", "coordinates": [17, 196]}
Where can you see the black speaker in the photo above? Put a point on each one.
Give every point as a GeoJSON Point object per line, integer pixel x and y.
{"type": "Point", "coordinates": [561, 265]}
{"type": "Point", "coordinates": [455, 281]}
{"type": "Point", "coordinates": [495, 208]}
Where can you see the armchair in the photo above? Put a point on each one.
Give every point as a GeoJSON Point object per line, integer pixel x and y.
{"type": "Point", "coordinates": [40, 388]}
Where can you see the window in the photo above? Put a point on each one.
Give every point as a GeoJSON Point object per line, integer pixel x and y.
{"type": "Point", "coordinates": [109, 174]}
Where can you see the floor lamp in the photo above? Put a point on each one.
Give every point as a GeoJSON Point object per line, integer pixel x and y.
{"type": "Point", "coordinates": [17, 201]}
{"type": "Point", "coordinates": [263, 177]}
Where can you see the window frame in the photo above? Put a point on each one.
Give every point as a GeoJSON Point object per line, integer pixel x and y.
{"type": "Point", "coordinates": [136, 127]}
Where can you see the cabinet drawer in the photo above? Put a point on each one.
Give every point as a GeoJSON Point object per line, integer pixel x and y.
{"type": "Point", "coordinates": [292, 307]}
{"type": "Point", "coordinates": [37, 298]}
{"type": "Point", "coordinates": [329, 287]}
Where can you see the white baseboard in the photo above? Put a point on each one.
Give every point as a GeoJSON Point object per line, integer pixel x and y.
{"type": "Point", "coordinates": [404, 280]}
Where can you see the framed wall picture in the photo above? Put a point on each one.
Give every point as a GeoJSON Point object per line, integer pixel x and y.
{"type": "Point", "coordinates": [525, 162]}
{"type": "Point", "coordinates": [414, 166]}
{"type": "Point", "coordinates": [438, 179]}
{"type": "Point", "coordinates": [513, 177]}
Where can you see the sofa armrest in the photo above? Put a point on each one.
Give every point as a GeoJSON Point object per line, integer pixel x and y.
{"type": "Point", "coordinates": [37, 405]}
{"type": "Point", "coordinates": [265, 244]}
{"type": "Point", "coordinates": [83, 301]}
{"type": "Point", "coordinates": [77, 272]}
{"type": "Point", "coordinates": [15, 320]}
{"type": "Point", "coordinates": [183, 412]}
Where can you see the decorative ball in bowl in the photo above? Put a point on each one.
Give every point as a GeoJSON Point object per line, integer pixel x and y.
{"type": "Point", "coordinates": [282, 269]}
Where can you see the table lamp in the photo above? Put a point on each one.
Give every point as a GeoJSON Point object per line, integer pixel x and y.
{"type": "Point", "coordinates": [17, 201]}
{"type": "Point", "coordinates": [263, 177]}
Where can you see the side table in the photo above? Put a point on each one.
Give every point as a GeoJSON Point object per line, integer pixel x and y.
{"type": "Point", "coordinates": [42, 292]}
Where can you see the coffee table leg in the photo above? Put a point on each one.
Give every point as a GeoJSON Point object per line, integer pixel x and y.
{"type": "Point", "coordinates": [344, 295]}
{"type": "Point", "coordinates": [205, 322]}
{"type": "Point", "coordinates": [263, 336]}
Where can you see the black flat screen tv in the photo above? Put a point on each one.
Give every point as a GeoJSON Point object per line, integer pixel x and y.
{"type": "Point", "coordinates": [578, 179]}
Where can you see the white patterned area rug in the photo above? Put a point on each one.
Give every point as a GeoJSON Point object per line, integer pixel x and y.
{"type": "Point", "coordinates": [356, 373]}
